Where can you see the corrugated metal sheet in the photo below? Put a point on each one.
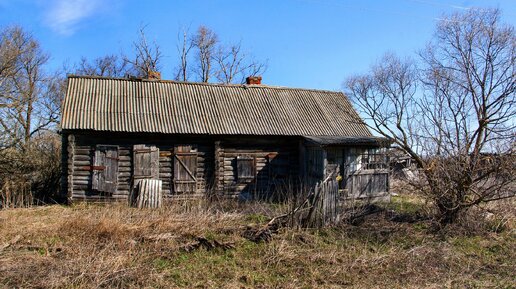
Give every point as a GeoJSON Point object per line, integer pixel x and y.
{"type": "Point", "coordinates": [347, 140]}
{"type": "Point", "coordinates": [107, 104]}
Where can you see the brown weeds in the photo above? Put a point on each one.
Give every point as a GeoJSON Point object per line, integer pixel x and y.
{"type": "Point", "coordinates": [91, 246]}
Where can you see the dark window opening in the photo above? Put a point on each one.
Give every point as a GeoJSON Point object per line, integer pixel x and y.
{"type": "Point", "coordinates": [245, 167]}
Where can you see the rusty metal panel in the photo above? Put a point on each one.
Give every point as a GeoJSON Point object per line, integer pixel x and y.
{"type": "Point", "coordinates": [132, 105]}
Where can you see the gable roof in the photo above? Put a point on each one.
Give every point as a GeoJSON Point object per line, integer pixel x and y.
{"type": "Point", "coordinates": [128, 105]}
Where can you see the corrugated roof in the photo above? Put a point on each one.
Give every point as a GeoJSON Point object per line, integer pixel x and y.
{"type": "Point", "coordinates": [125, 105]}
{"type": "Point", "coordinates": [347, 140]}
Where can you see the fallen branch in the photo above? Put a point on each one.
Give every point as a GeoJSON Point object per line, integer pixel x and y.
{"type": "Point", "coordinates": [208, 245]}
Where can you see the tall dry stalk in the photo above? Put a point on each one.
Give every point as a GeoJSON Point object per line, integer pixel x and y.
{"type": "Point", "coordinates": [15, 193]}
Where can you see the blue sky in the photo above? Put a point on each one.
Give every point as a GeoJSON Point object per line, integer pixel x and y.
{"type": "Point", "coordinates": [308, 43]}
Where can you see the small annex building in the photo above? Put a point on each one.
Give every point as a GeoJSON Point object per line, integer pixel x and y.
{"type": "Point", "coordinates": [197, 138]}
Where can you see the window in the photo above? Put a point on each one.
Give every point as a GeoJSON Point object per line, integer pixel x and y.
{"type": "Point", "coordinates": [145, 162]}
{"type": "Point", "coordinates": [105, 169]}
{"type": "Point", "coordinates": [185, 169]}
{"type": "Point", "coordinates": [374, 159]}
{"type": "Point", "coordinates": [245, 167]}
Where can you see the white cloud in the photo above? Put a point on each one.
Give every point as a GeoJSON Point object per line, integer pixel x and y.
{"type": "Point", "coordinates": [64, 16]}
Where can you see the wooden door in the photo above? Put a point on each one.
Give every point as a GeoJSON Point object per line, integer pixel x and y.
{"type": "Point", "coordinates": [185, 169]}
{"type": "Point", "coordinates": [105, 169]}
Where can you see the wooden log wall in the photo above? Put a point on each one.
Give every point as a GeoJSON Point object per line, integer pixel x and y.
{"type": "Point", "coordinates": [80, 157]}
{"type": "Point", "coordinates": [276, 162]}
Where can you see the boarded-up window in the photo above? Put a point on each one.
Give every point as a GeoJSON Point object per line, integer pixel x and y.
{"type": "Point", "coordinates": [105, 169]}
{"type": "Point", "coordinates": [145, 162]}
{"type": "Point", "coordinates": [245, 167]}
{"type": "Point", "coordinates": [185, 169]}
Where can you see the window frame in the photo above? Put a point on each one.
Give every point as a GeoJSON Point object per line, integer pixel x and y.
{"type": "Point", "coordinates": [139, 169]}
{"type": "Point", "coordinates": [248, 160]}
{"type": "Point", "coordinates": [374, 159]}
{"type": "Point", "coordinates": [99, 170]}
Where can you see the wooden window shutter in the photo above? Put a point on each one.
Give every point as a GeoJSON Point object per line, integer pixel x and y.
{"type": "Point", "coordinates": [185, 170]}
{"type": "Point", "coordinates": [145, 162]}
{"type": "Point", "coordinates": [105, 169]}
{"type": "Point", "coordinates": [245, 167]}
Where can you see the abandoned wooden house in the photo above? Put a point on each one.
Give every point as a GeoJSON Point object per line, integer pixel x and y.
{"type": "Point", "coordinates": [197, 138]}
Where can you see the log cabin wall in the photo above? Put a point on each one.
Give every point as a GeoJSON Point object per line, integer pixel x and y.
{"type": "Point", "coordinates": [188, 165]}
{"type": "Point", "coordinates": [81, 168]}
{"type": "Point", "coordinates": [251, 167]}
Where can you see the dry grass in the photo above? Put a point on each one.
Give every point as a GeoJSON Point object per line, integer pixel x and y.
{"type": "Point", "coordinates": [87, 246]}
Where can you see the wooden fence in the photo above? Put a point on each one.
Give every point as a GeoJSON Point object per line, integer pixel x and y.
{"type": "Point", "coordinates": [326, 203]}
{"type": "Point", "coordinates": [367, 184]}
{"type": "Point", "coordinates": [324, 209]}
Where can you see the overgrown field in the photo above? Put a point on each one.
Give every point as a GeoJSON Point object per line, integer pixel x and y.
{"type": "Point", "coordinates": [192, 246]}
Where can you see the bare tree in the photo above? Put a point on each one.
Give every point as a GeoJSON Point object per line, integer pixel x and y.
{"type": "Point", "coordinates": [184, 47]}
{"type": "Point", "coordinates": [30, 99]}
{"type": "Point", "coordinates": [23, 107]}
{"type": "Point", "coordinates": [109, 66]}
{"type": "Point", "coordinates": [235, 65]}
{"type": "Point", "coordinates": [455, 115]}
{"type": "Point", "coordinates": [8, 53]}
{"type": "Point", "coordinates": [147, 56]}
{"type": "Point", "coordinates": [205, 41]}
{"type": "Point", "coordinates": [226, 63]}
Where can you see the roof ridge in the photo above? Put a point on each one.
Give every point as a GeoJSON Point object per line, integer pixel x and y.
{"type": "Point", "coordinates": [259, 86]}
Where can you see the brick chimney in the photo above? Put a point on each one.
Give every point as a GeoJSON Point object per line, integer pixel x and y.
{"type": "Point", "coordinates": [154, 75]}
{"type": "Point", "coordinates": [254, 80]}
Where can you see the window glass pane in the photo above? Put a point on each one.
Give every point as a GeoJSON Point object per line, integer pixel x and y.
{"type": "Point", "coordinates": [245, 167]}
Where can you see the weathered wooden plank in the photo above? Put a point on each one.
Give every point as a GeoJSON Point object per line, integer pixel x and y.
{"type": "Point", "coordinates": [124, 169]}
{"type": "Point", "coordinates": [78, 157]}
{"type": "Point", "coordinates": [83, 147]}
{"type": "Point", "coordinates": [124, 164]}
{"type": "Point", "coordinates": [165, 169]}
{"type": "Point", "coordinates": [84, 151]}
{"type": "Point", "coordinates": [82, 172]}
{"type": "Point", "coordinates": [81, 185]}
{"type": "Point", "coordinates": [124, 174]}
{"type": "Point", "coordinates": [81, 178]}
{"type": "Point", "coordinates": [77, 163]}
